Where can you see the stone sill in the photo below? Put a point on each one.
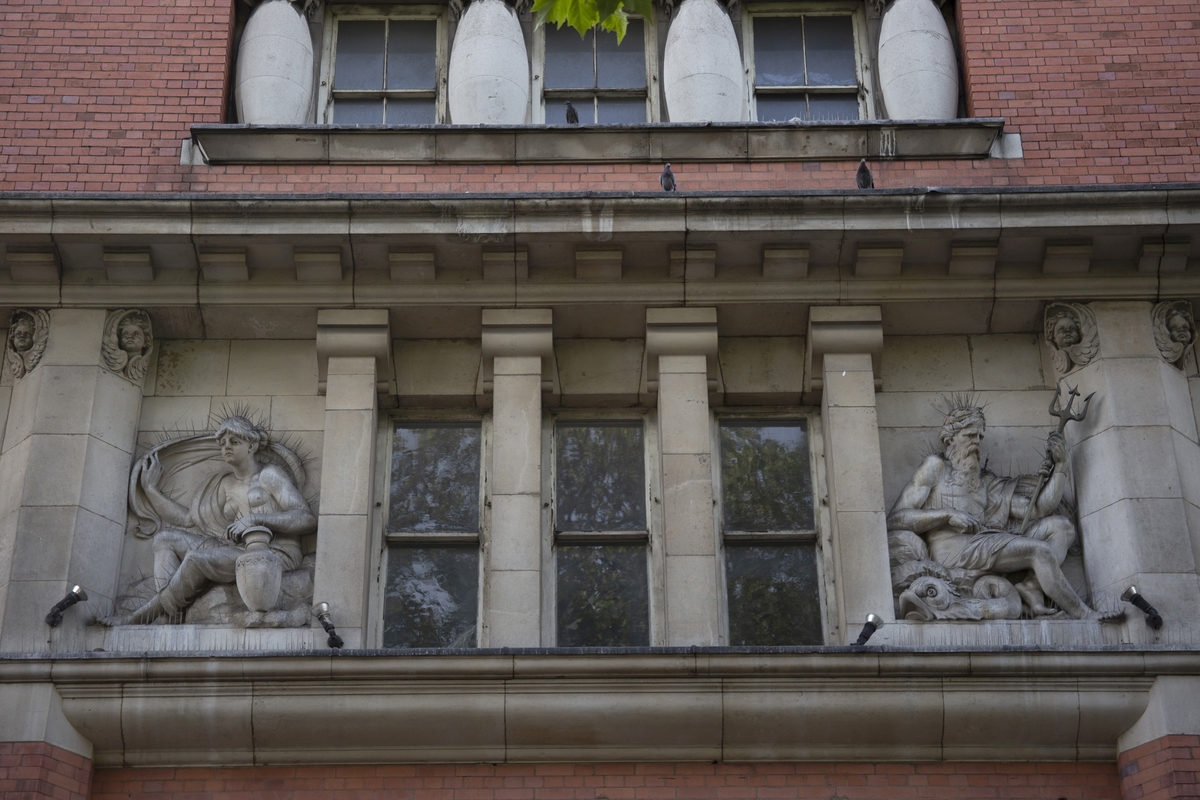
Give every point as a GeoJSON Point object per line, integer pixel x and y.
{"type": "Point", "coordinates": [541, 144]}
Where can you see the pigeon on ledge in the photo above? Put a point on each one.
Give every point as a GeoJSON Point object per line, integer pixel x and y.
{"type": "Point", "coordinates": [667, 179]}
{"type": "Point", "coordinates": [572, 114]}
{"type": "Point", "coordinates": [863, 178]}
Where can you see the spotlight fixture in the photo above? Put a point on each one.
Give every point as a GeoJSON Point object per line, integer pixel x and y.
{"type": "Point", "coordinates": [55, 617]}
{"type": "Point", "coordinates": [873, 624]}
{"type": "Point", "coordinates": [321, 612]}
{"type": "Point", "coordinates": [1153, 619]}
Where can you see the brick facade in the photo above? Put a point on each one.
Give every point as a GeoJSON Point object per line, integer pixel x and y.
{"type": "Point", "coordinates": [1164, 768]}
{"type": "Point", "coordinates": [31, 770]}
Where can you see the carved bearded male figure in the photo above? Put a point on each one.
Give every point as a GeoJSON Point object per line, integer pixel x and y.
{"type": "Point", "coordinates": [971, 519]}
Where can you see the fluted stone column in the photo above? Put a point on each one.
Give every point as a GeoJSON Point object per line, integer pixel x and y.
{"type": "Point", "coordinates": [518, 356]}
{"type": "Point", "coordinates": [64, 474]}
{"type": "Point", "coordinates": [681, 349]}
{"type": "Point", "coordinates": [844, 347]}
{"type": "Point", "coordinates": [353, 358]}
{"type": "Point", "coordinates": [1136, 463]}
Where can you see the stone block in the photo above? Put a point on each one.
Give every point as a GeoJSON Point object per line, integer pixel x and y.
{"type": "Point", "coordinates": [411, 265]}
{"type": "Point", "coordinates": [1122, 463]}
{"type": "Point", "coordinates": [343, 561]}
{"type": "Point", "coordinates": [218, 729]}
{"type": "Point", "coordinates": [75, 337]}
{"type": "Point", "coordinates": [5, 401]}
{"type": "Point", "coordinates": [973, 260]}
{"type": "Point", "coordinates": [785, 263]}
{"type": "Point", "coordinates": [297, 413]}
{"type": "Point", "coordinates": [33, 266]}
{"type": "Point", "coordinates": [128, 266]}
{"type": "Point", "coordinates": [878, 262]}
{"type": "Point", "coordinates": [505, 266]}
{"type": "Point", "coordinates": [95, 556]}
{"type": "Point", "coordinates": [41, 549]}
{"type": "Point", "coordinates": [54, 470]}
{"type": "Point", "coordinates": [694, 263]}
{"type": "Point", "coordinates": [1067, 259]}
{"type": "Point", "coordinates": [1126, 329]}
{"type": "Point", "coordinates": [224, 267]}
{"type": "Point", "coordinates": [926, 363]}
{"type": "Point", "coordinates": [1158, 256]}
{"type": "Point", "coordinates": [683, 412]}
{"type": "Point", "coordinates": [318, 264]}
{"type": "Point", "coordinates": [863, 576]}
{"type": "Point", "coordinates": [692, 613]}
{"type": "Point", "coordinates": [852, 459]}
{"type": "Point", "coordinates": [437, 370]}
{"type": "Point", "coordinates": [192, 367]}
{"type": "Point", "coordinates": [512, 608]}
{"type": "Point", "coordinates": [64, 400]}
{"type": "Point", "coordinates": [1178, 396]}
{"type": "Point", "coordinates": [1187, 464]}
{"type": "Point", "coordinates": [346, 461]}
{"type": "Point", "coordinates": [1131, 536]}
{"type": "Point", "coordinates": [593, 265]}
{"type": "Point", "coordinates": [688, 505]}
{"type": "Point", "coordinates": [517, 433]}
{"type": "Point", "coordinates": [22, 411]}
{"type": "Point", "coordinates": [23, 627]}
{"type": "Point", "coordinates": [1006, 361]}
{"type": "Point", "coordinates": [849, 381]}
{"type": "Point", "coordinates": [351, 392]}
{"type": "Point", "coordinates": [1130, 393]}
{"type": "Point", "coordinates": [116, 407]}
{"type": "Point", "coordinates": [14, 465]}
{"type": "Point", "coordinates": [599, 372]}
{"type": "Point", "coordinates": [176, 414]}
{"type": "Point", "coordinates": [105, 481]}
{"type": "Point", "coordinates": [266, 367]}
{"type": "Point", "coordinates": [766, 370]}
{"type": "Point", "coordinates": [1047, 720]}
{"type": "Point", "coordinates": [516, 532]}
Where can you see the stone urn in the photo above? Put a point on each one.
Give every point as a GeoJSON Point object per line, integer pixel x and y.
{"type": "Point", "coordinates": [917, 67]}
{"type": "Point", "coordinates": [488, 82]}
{"type": "Point", "coordinates": [274, 83]}
{"type": "Point", "coordinates": [702, 66]}
{"type": "Point", "coordinates": [259, 571]}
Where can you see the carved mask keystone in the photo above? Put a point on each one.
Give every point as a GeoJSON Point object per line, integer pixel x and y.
{"type": "Point", "coordinates": [28, 334]}
{"type": "Point", "coordinates": [128, 341]}
{"type": "Point", "coordinates": [1071, 333]}
{"type": "Point", "coordinates": [1174, 330]}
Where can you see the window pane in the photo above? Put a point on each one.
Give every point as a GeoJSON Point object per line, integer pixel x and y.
{"type": "Point", "coordinates": [773, 595]}
{"type": "Point", "coordinates": [624, 66]}
{"type": "Point", "coordinates": [432, 596]}
{"type": "Point", "coordinates": [615, 111]}
{"type": "Point", "coordinates": [778, 51]}
{"type": "Point", "coordinates": [411, 58]}
{"type": "Point", "coordinates": [357, 112]}
{"type": "Point", "coordinates": [435, 478]}
{"type": "Point", "coordinates": [359, 61]}
{"type": "Point", "coordinates": [781, 107]}
{"type": "Point", "coordinates": [603, 599]}
{"type": "Point", "coordinates": [766, 484]}
{"type": "Point", "coordinates": [411, 112]}
{"type": "Point", "coordinates": [568, 60]}
{"type": "Point", "coordinates": [829, 42]}
{"type": "Point", "coordinates": [600, 477]}
{"type": "Point", "coordinates": [826, 107]}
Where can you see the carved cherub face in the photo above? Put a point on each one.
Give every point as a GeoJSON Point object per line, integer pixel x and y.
{"type": "Point", "coordinates": [1066, 332]}
{"type": "Point", "coordinates": [131, 337]}
{"type": "Point", "coordinates": [1179, 328]}
{"type": "Point", "coordinates": [236, 449]}
{"type": "Point", "coordinates": [21, 335]}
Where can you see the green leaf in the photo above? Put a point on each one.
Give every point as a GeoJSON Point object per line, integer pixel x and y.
{"type": "Point", "coordinates": [616, 22]}
{"type": "Point", "coordinates": [643, 8]}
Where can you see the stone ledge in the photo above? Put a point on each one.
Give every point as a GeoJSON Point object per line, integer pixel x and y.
{"type": "Point", "coordinates": [542, 144]}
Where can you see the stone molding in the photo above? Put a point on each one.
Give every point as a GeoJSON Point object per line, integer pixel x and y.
{"type": "Point", "coordinates": [842, 330]}
{"type": "Point", "coordinates": [679, 332]}
{"type": "Point", "coordinates": [352, 333]}
{"type": "Point", "coordinates": [518, 332]}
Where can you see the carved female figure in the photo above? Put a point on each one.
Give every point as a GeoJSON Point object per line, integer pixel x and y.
{"type": "Point", "coordinates": [1071, 333]}
{"type": "Point", "coordinates": [27, 337]}
{"type": "Point", "coordinates": [127, 343]}
{"type": "Point", "coordinates": [1174, 330]}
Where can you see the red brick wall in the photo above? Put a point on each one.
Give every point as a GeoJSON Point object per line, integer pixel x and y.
{"type": "Point", "coordinates": [39, 770]}
{"type": "Point", "coordinates": [1165, 768]}
{"type": "Point", "coordinates": [96, 95]}
{"type": "Point", "coordinates": [1074, 781]}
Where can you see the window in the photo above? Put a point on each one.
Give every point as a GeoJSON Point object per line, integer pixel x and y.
{"type": "Point", "coordinates": [805, 66]}
{"type": "Point", "coordinates": [769, 525]}
{"type": "Point", "coordinates": [385, 70]}
{"type": "Point", "coordinates": [600, 533]}
{"type": "Point", "coordinates": [606, 83]}
{"type": "Point", "coordinates": [431, 534]}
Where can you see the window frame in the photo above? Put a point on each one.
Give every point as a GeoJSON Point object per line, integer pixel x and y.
{"type": "Point", "coordinates": [355, 13]}
{"type": "Point", "coordinates": [653, 538]}
{"type": "Point", "coordinates": [821, 537]}
{"type": "Point", "coordinates": [381, 538]}
{"type": "Point", "coordinates": [537, 62]}
{"type": "Point", "coordinates": [836, 8]}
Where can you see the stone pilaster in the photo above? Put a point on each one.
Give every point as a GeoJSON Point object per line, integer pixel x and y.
{"type": "Point", "coordinates": [353, 354]}
{"type": "Point", "coordinates": [64, 474]}
{"type": "Point", "coordinates": [1158, 755]}
{"type": "Point", "coordinates": [518, 352]}
{"type": "Point", "coordinates": [844, 347]}
{"type": "Point", "coordinates": [681, 350]}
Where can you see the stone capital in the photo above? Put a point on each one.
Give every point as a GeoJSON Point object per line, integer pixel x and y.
{"type": "Point", "coordinates": [841, 330]}
{"type": "Point", "coordinates": [354, 333]}
{"type": "Point", "coordinates": [679, 332]}
{"type": "Point", "coordinates": [518, 333]}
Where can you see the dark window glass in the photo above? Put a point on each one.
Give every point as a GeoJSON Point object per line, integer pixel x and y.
{"type": "Point", "coordinates": [832, 107]}
{"type": "Point", "coordinates": [358, 112]}
{"type": "Point", "coordinates": [600, 477]}
{"type": "Point", "coordinates": [779, 51]}
{"type": "Point", "coordinates": [603, 599]}
{"type": "Point", "coordinates": [781, 107]}
{"type": "Point", "coordinates": [411, 55]}
{"type": "Point", "coordinates": [766, 482]}
{"type": "Point", "coordinates": [620, 111]}
{"type": "Point", "coordinates": [569, 62]}
{"type": "Point", "coordinates": [829, 51]}
{"type": "Point", "coordinates": [773, 595]}
{"type": "Point", "coordinates": [621, 66]}
{"type": "Point", "coordinates": [411, 112]}
{"type": "Point", "coordinates": [432, 596]}
{"type": "Point", "coordinates": [435, 478]}
{"type": "Point", "coordinates": [359, 61]}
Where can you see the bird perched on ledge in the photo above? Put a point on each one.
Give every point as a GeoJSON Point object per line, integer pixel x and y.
{"type": "Point", "coordinates": [572, 114]}
{"type": "Point", "coordinates": [863, 178]}
{"type": "Point", "coordinates": [667, 178]}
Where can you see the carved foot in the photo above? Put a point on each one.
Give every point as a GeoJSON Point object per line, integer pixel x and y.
{"type": "Point", "coordinates": [1105, 612]}
{"type": "Point", "coordinates": [113, 621]}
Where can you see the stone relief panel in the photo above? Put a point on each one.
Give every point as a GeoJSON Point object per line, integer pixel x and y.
{"type": "Point", "coordinates": [223, 513]}
{"type": "Point", "coordinates": [968, 544]}
{"type": "Point", "coordinates": [28, 334]}
{"type": "Point", "coordinates": [1174, 331]}
{"type": "Point", "coordinates": [1072, 335]}
{"type": "Point", "coordinates": [127, 343]}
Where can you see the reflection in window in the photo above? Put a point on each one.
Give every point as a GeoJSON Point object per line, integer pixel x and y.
{"type": "Point", "coordinates": [602, 596]}
{"type": "Point", "coordinates": [774, 598]}
{"type": "Point", "coordinates": [766, 481]}
{"type": "Point", "coordinates": [385, 72]}
{"type": "Point", "coordinates": [606, 82]}
{"type": "Point", "coordinates": [435, 478]}
{"type": "Point", "coordinates": [805, 68]}
{"type": "Point", "coordinates": [600, 473]}
{"type": "Point", "coordinates": [432, 596]}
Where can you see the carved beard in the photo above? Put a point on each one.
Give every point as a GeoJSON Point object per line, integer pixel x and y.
{"type": "Point", "coordinates": [964, 463]}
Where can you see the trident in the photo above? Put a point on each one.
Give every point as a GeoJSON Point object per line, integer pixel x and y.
{"type": "Point", "coordinates": [1064, 416]}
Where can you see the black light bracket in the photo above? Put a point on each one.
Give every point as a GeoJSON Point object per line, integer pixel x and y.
{"type": "Point", "coordinates": [1153, 618]}
{"type": "Point", "coordinates": [873, 624]}
{"type": "Point", "coordinates": [55, 617]}
{"type": "Point", "coordinates": [321, 612]}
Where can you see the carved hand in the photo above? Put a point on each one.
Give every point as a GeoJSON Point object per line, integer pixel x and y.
{"type": "Point", "coordinates": [1056, 448]}
{"type": "Point", "coordinates": [152, 470]}
{"type": "Point", "coordinates": [238, 528]}
{"type": "Point", "coordinates": [959, 522]}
